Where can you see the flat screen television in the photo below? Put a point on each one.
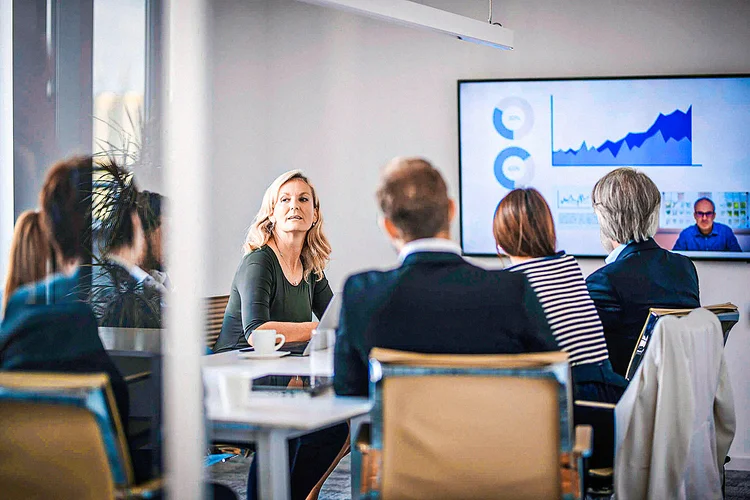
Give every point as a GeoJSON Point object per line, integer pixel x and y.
{"type": "Point", "coordinates": [691, 135]}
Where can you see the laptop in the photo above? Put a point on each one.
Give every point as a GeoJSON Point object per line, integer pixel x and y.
{"type": "Point", "coordinates": [330, 319]}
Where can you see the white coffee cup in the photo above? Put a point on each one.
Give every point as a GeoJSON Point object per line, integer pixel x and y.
{"type": "Point", "coordinates": [264, 341]}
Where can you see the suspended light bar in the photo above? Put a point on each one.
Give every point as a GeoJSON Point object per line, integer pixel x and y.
{"type": "Point", "coordinates": [422, 16]}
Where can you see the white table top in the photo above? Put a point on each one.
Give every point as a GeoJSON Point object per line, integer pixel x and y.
{"type": "Point", "coordinates": [297, 412]}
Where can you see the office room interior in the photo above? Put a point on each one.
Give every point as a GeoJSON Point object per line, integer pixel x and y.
{"type": "Point", "coordinates": [291, 85]}
{"type": "Point", "coordinates": [338, 95]}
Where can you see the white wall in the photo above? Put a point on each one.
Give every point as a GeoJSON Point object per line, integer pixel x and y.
{"type": "Point", "coordinates": [300, 86]}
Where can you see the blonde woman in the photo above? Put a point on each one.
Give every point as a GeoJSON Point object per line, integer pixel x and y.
{"type": "Point", "coordinates": [280, 281]}
{"type": "Point", "coordinates": [29, 254]}
{"type": "Point", "coordinates": [278, 285]}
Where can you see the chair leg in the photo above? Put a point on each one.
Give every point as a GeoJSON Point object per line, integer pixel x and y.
{"type": "Point", "coordinates": [313, 495]}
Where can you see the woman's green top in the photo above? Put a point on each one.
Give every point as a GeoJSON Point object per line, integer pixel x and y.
{"type": "Point", "coordinates": [261, 293]}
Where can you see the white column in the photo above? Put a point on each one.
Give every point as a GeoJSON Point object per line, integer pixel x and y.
{"type": "Point", "coordinates": [185, 132]}
{"type": "Point", "coordinates": [6, 134]}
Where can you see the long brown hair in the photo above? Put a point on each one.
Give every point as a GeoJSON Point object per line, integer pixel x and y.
{"type": "Point", "coordinates": [29, 253]}
{"type": "Point", "coordinates": [523, 224]}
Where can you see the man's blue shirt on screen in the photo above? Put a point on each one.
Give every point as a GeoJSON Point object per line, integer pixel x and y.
{"type": "Point", "coordinates": [720, 239]}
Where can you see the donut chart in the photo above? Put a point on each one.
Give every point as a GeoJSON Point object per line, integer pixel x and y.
{"type": "Point", "coordinates": [513, 118]}
{"type": "Point", "coordinates": [514, 167]}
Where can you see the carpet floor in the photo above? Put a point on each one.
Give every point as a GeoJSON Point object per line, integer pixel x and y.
{"type": "Point", "coordinates": [233, 473]}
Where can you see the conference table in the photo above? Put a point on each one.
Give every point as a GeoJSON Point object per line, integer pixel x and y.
{"type": "Point", "coordinates": [237, 415]}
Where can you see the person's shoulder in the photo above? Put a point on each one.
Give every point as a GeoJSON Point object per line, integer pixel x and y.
{"type": "Point", "coordinates": [503, 278]}
{"type": "Point", "coordinates": [56, 288]}
{"type": "Point", "coordinates": [368, 279]}
{"type": "Point", "coordinates": [601, 277]}
{"type": "Point", "coordinates": [723, 228]}
{"type": "Point", "coordinates": [260, 256]}
{"type": "Point", "coordinates": [691, 230]}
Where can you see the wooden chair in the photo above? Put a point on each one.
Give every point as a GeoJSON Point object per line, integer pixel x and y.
{"type": "Point", "coordinates": [215, 307]}
{"type": "Point", "coordinates": [471, 427]}
{"type": "Point", "coordinates": [61, 438]}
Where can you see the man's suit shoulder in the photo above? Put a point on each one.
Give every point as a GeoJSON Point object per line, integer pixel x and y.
{"type": "Point", "coordinates": [367, 283]}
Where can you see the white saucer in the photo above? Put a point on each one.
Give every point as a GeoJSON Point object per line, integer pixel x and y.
{"type": "Point", "coordinates": [255, 355]}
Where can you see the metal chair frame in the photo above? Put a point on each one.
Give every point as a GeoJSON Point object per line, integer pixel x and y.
{"type": "Point", "coordinates": [556, 372]}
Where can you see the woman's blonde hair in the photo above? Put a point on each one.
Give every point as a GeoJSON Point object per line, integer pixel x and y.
{"type": "Point", "coordinates": [316, 250]}
{"type": "Point", "coordinates": [30, 253]}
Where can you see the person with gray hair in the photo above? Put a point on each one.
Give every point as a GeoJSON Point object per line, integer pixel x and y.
{"type": "Point", "coordinates": [638, 273]}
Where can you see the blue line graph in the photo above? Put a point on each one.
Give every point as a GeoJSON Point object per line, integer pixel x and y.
{"type": "Point", "coordinates": [668, 142]}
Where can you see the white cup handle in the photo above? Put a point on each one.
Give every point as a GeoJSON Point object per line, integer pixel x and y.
{"type": "Point", "coordinates": [283, 339]}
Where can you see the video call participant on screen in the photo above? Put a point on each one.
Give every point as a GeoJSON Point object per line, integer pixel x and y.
{"type": "Point", "coordinates": [280, 281]}
{"type": "Point", "coordinates": [707, 234]}
{"type": "Point", "coordinates": [525, 231]}
{"type": "Point", "coordinates": [638, 274]}
{"type": "Point", "coordinates": [435, 302]}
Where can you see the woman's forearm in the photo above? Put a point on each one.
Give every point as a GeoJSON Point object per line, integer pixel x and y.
{"type": "Point", "coordinates": [294, 332]}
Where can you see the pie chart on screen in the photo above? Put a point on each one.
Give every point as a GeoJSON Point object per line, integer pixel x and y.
{"type": "Point", "coordinates": [513, 118]}
{"type": "Point", "coordinates": [514, 167]}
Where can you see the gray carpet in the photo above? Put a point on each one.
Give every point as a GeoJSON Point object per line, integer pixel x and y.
{"type": "Point", "coordinates": [233, 473]}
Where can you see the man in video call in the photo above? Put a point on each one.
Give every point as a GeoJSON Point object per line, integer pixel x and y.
{"type": "Point", "coordinates": [707, 235]}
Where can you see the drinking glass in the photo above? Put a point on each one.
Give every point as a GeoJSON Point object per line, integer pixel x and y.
{"type": "Point", "coordinates": [322, 342]}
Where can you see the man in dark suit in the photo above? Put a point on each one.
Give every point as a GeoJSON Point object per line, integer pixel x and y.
{"type": "Point", "coordinates": [435, 302]}
{"type": "Point", "coordinates": [638, 274]}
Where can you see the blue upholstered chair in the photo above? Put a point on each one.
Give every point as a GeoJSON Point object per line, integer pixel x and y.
{"type": "Point", "coordinates": [469, 426]}
{"type": "Point", "coordinates": [61, 438]}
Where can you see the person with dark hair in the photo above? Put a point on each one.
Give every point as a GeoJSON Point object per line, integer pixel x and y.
{"type": "Point", "coordinates": [46, 327]}
{"type": "Point", "coordinates": [707, 235]}
{"type": "Point", "coordinates": [149, 207]}
{"type": "Point", "coordinates": [30, 254]}
{"type": "Point", "coordinates": [638, 274]}
{"type": "Point", "coordinates": [435, 302]}
{"type": "Point", "coordinates": [123, 294]}
{"type": "Point", "coordinates": [525, 231]}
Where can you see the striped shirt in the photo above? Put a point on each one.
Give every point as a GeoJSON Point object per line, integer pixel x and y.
{"type": "Point", "coordinates": [561, 289]}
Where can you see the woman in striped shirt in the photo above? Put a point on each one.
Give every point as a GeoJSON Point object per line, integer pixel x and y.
{"type": "Point", "coordinates": [525, 231]}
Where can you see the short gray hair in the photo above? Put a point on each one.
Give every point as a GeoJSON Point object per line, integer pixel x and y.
{"type": "Point", "coordinates": [627, 203]}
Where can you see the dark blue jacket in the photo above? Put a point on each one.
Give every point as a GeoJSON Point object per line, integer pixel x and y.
{"type": "Point", "coordinates": [46, 328]}
{"type": "Point", "coordinates": [643, 276]}
{"type": "Point", "coordinates": [435, 303]}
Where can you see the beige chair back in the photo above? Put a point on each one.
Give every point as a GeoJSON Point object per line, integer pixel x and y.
{"type": "Point", "coordinates": [52, 443]}
{"type": "Point", "coordinates": [471, 436]}
{"type": "Point", "coordinates": [215, 307]}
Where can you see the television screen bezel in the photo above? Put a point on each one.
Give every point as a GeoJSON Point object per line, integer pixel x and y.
{"type": "Point", "coordinates": [706, 256]}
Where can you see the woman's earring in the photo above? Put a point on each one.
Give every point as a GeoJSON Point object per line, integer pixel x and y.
{"type": "Point", "coordinates": [269, 227]}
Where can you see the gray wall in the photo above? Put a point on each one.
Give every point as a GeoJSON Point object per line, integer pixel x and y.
{"type": "Point", "coordinates": [300, 86]}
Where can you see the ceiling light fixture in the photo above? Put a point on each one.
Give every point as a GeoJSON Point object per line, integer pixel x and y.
{"type": "Point", "coordinates": [417, 15]}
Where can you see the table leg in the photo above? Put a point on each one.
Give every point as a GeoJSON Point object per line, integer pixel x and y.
{"type": "Point", "coordinates": [356, 465]}
{"type": "Point", "coordinates": [273, 465]}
